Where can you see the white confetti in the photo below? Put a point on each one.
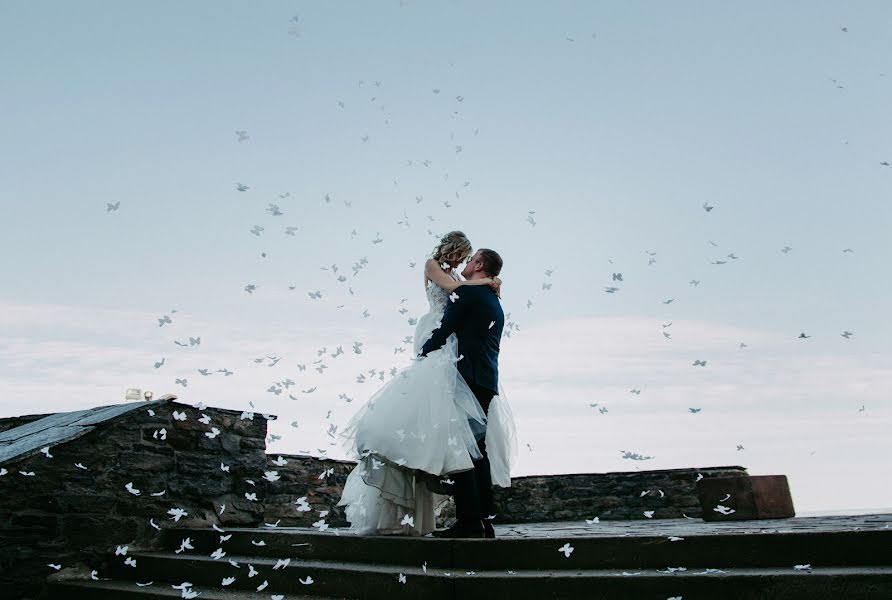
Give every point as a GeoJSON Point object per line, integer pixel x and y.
{"type": "Point", "coordinates": [177, 513]}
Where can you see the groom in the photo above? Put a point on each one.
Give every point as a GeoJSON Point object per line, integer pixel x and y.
{"type": "Point", "coordinates": [476, 317]}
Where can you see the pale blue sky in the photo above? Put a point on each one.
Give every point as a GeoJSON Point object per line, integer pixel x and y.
{"type": "Point", "coordinates": [615, 137]}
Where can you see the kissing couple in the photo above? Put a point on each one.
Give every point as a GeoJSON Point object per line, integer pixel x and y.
{"type": "Point", "coordinates": [441, 427]}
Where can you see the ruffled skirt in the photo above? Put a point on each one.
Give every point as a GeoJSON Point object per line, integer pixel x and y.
{"type": "Point", "coordinates": [418, 428]}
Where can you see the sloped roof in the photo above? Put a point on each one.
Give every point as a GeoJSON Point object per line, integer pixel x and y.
{"type": "Point", "coordinates": [26, 440]}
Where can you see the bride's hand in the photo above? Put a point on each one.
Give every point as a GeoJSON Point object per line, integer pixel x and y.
{"type": "Point", "coordinates": [496, 285]}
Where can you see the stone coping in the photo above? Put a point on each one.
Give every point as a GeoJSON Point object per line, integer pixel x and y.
{"type": "Point", "coordinates": [57, 428]}
{"type": "Point", "coordinates": [26, 440]}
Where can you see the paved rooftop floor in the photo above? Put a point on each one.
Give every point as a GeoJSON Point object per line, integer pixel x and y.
{"type": "Point", "coordinates": [671, 527]}
{"type": "Point", "coordinates": [682, 527]}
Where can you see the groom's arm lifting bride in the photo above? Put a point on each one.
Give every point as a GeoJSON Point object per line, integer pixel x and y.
{"type": "Point", "coordinates": [475, 316]}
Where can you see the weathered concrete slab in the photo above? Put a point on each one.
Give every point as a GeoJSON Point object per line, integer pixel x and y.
{"type": "Point", "coordinates": [865, 547]}
{"type": "Point", "coordinates": [66, 589]}
{"type": "Point", "coordinates": [846, 557]}
{"type": "Point", "coordinates": [682, 527]}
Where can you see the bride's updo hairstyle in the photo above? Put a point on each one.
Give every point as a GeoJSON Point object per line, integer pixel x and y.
{"type": "Point", "coordinates": [453, 246]}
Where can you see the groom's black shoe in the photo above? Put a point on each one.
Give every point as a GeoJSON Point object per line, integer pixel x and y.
{"type": "Point", "coordinates": [488, 531]}
{"type": "Point", "coordinates": [473, 529]}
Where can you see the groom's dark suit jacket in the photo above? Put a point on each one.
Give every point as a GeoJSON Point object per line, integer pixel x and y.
{"type": "Point", "coordinates": [477, 319]}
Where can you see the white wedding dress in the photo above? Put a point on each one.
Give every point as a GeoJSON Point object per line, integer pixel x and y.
{"type": "Point", "coordinates": [415, 431]}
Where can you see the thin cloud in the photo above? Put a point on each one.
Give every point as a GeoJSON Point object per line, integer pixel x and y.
{"type": "Point", "coordinates": [763, 397]}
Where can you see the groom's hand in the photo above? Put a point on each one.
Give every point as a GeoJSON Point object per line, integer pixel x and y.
{"type": "Point", "coordinates": [455, 314]}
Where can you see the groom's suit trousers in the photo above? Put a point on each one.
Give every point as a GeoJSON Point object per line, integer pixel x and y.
{"type": "Point", "coordinates": [473, 489]}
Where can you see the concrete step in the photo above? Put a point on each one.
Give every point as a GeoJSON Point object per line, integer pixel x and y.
{"type": "Point", "coordinates": [738, 550]}
{"type": "Point", "coordinates": [126, 590]}
{"type": "Point", "coordinates": [734, 584]}
{"type": "Point", "coordinates": [361, 580]}
{"type": "Point", "coordinates": [309, 544]}
{"type": "Point", "coordinates": [330, 579]}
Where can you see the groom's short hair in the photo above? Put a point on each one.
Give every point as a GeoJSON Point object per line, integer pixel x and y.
{"type": "Point", "coordinates": [492, 262]}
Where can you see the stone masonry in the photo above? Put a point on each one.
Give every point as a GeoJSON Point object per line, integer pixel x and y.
{"type": "Point", "coordinates": [319, 480]}
{"type": "Point", "coordinates": [670, 493]}
{"type": "Point", "coordinates": [212, 464]}
{"type": "Point", "coordinates": [53, 512]}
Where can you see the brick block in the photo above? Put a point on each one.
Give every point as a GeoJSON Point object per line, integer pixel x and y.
{"type": "Point", "coordinates": [747, 497]}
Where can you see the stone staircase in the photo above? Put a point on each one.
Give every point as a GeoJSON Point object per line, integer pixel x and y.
{"type": "Point", "coordinates": [745, 565]}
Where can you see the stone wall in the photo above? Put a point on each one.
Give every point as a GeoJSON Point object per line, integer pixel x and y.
{"type": "Point", "coordinates": [68, 516]}
{"type": "Point", "coordinates": [71, 517]}
{"type": "Point", "coordinates": [536, 498]}
{"type": "Point", "coordinates": [605, 495]}
{"type": "Point", "coordinates": [320, 480]}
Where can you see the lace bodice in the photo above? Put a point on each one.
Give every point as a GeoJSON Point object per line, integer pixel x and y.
{"type": "Point", "coordinates": [437, 296]}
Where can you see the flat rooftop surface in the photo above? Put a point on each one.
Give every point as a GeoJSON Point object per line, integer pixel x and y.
{"type": "Point", "coordinates": [658, 527]}
{"type": "Point", "coordinates": [683, 527]}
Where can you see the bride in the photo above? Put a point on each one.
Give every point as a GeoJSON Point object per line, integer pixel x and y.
{"type": "Point", "coordinates": [419, 427]}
